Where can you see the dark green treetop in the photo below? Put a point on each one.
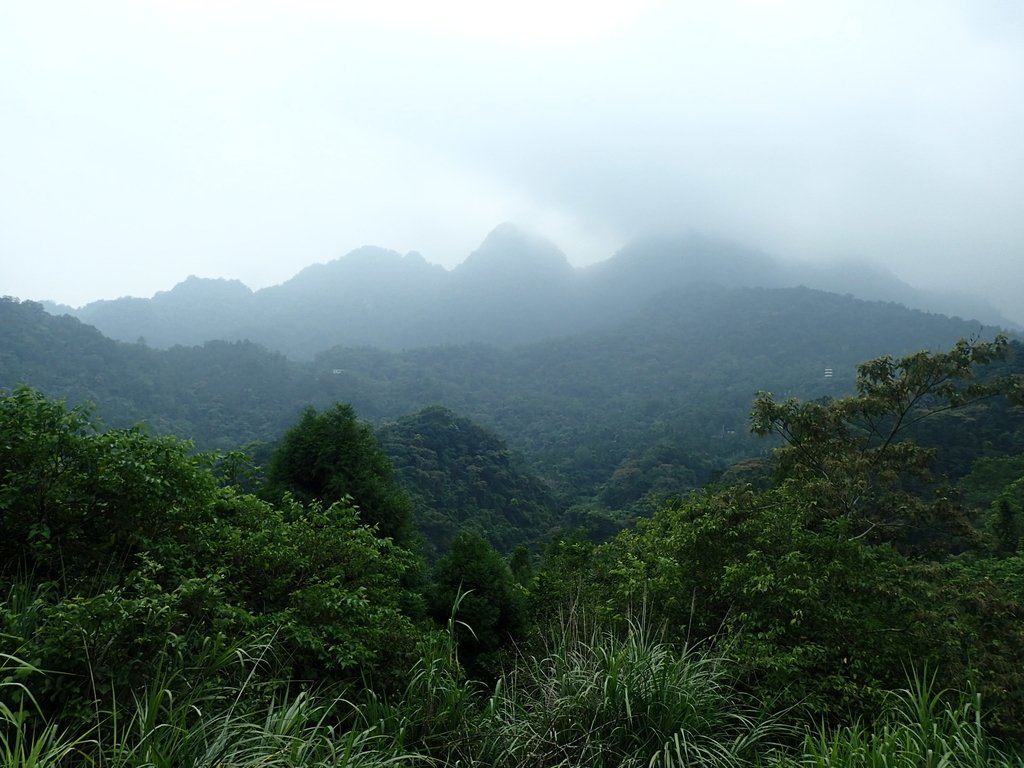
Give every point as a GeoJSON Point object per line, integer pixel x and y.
{"type": "Point", "coordinates": [331, 455]}
{"type": "Point", "coordinates": [75, 500]}
{"type": "Point", "coordinates": [473, 583]}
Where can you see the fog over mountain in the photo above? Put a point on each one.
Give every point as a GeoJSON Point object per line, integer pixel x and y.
{"type": "Point", "coordinates": [144, 142]}
{"type": "Point", "coordinates": [515, 288]}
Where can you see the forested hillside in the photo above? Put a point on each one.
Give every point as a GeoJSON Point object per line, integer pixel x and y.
{"type": "Point", "coordinates": [464, 478]}
{"type": "Point", "coordinates": [854, 608]}
{"type": "Point", "coordinates": [655, 405]}
{"type": "Point", "coordinates": [659, 402]}
{"type": "Point", "coordinates": [221, 395]}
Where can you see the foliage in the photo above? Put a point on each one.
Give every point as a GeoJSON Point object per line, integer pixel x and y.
{"type": "Point", "coordinates": [437, 712]}
{"type": "Point", "coordinates": [981, 599]}
{"type": "Point", "coordinates": [819, 622]}
{"type": "Point", "coordinates": [77, 503]}
{"type": "Point", "coordinates": [475, 584]}
{"type": "Point", "coordinates": [919, 727]}
{"type": "Point", "coordinates": [324, 585]}
{"type": "Point", "coordinates": [106, 642]}
{"type": "Point", "coordinates": [662, 396]}
{"type": "Point", "coordinates": [851, 454]}
{"type": "Point", "coordinates": [594, 697]}
{"type": "Point", "coordinates": [122, 556]}
{"type": "Point", "coordinates": [135, 575]}
{"type": "Point", "coordinates": [990, 478]}
{"type": "Point", "coordinates": [802, 582]}
{"type": "Point", "coordinates": [26, 740]}
{"type": "Point", "coordinates": [463, 477]}
{"type": "Point", "coordinates": [166, 724]}
{"type": "Point", "coordinates": [805, 613]}
{"type": "Point", "coordinates": [332, 456]}
{"type": "Point", "coordinates": [584, 696]}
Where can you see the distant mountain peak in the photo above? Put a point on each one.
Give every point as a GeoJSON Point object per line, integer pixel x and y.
{"type": "Point", "coordinates": [507, 230]}
{"type": "Point", "coordinates": [656, 262]}
{"type": "Point", "coordinates": [510, 251]}
{"type": "Point", "coordinates": [210, 288]}
{"type": "Point", "coordinates": [515, 288]}
{"type": "Point", "coordinates": [367, 268]}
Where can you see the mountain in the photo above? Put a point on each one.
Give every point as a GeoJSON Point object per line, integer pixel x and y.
{"type": "Point", "coordinates": [222, 395]}
{"type": "Point", "coordinates": [514, 289]}
{"type": "Point", "coordinates": [371, 296]}
{"type": "Point", "coordinates": [190, 313]}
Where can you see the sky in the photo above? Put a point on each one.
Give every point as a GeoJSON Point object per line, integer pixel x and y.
{"type": "Point", "coordinates": [143, 141]}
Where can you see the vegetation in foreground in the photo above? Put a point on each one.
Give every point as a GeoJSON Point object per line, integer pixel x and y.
{"type": "Point", "coordinates": [854, 611]}
{"type": "Point", "coordinates": [594, 699]}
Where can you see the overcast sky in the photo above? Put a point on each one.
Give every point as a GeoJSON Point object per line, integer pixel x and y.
{"type": "Point", "coordinates": [144, 141]}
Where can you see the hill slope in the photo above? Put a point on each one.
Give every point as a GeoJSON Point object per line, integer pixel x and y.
{"type": "Point", "coordinates": [657, 403]}
{"type": "Point", "coordinates": [462, 476]}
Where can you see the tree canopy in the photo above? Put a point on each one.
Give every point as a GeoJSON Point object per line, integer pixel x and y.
{"type": "Point", "coordinates": [854, 456]}
{"type": "Point", "coordinates": [331, 456]}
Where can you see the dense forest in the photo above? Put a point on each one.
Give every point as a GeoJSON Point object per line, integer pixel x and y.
{"type": "Point", "coordinates": [741, 526]}
{"type": "Point", "coordinates": [852, 608]}
{"type": "Point", "coordinates": [611, 420]}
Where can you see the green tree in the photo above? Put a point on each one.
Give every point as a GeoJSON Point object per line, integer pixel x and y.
{"type": "Point", "coordinates": [801, 581]}
{"type": "Point", "coordinates": [821, 624]}
{"type": "Point", "coordinates": [853, 455]}
{"type": "Point", "coordinates": [474, 581]}
{"type": "Point", "coordinates": [318, 580]}
{"type": "Point", "coordinates": [332, 456]}
{"type": "Point", "coordinates": [461, 476]}
{"type": "Point", "coordinates": [77, 502]}
{"type": "Point", "coordinates": [1006, 525]}
{"type": "Point", "coordinates": [122, 559]}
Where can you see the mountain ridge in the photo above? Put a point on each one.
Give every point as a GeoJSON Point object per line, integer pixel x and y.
{"type": "Point", "coordinates": [516, 288]}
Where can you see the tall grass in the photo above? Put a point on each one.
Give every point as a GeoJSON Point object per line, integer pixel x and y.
{"type": "Point", "coordinates": [589, 697]}
{"type": "Point", "coordinates": [437, 714]}
{"type": "Point", "coordinates": [922, 727]}
{"type": "Point", "coordinates": [190, 721]}
{"type": "Point", "coordinates": [26, 739]}
{"type": "Point", "coordinates": [292, 732]}
{"type": "Point", "coordinates": [201, 724]}
{"type": "Point", "coordinates": [601, 698]}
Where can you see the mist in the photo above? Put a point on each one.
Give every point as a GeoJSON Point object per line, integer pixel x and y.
{"type": "Point", "coordinates": [144, 143]}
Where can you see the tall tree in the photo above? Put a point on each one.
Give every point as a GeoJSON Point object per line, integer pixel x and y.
{"type": "Point", "coordinates": [332, 456]}
{"type": "Point", "coordinates": [474, 582]}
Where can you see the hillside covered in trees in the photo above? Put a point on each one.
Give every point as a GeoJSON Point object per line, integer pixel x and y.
{"type": "Point", "coordinates": [706, 526]}
{"type": "Point", "coordinates": [657, 404]}
{"type": "Point", "coordinates": [855, 606]}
